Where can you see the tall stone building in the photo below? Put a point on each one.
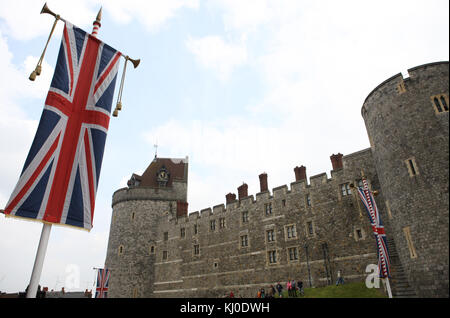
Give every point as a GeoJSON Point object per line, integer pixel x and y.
{"type": "Point", "coordinates": [309, 230]}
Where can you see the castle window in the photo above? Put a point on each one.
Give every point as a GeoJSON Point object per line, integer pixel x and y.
{"type": "Point", "coordinates": [293, 253]}
{"type": "Point", "coordinates": [359, 234]}
{"type": "Point", "coordinates": [222, 223]}
{"type": "Point", "coordinates": [182, 232]}
{"type": "Point", "coordinates": [212, 225]}
{"type": "Point", "coordinates": [440, 103]}
{"type": "Point", "coordinates": [166, 236]}
{"type": "Point", "coordinates": [244, 240]}
{"type": "Point", "coordinates": [308, 200]}
{"type": "Point", "coordinates": [133, 216]}
{"type": "Point", "coordinates": [120, 252]}
{"type": "Point", "coordinates": [164, 255]}
{"type": "Point", "coordinates": [195, 229]}
{"type": "Point", "coordinates": [290, 231]}
{"type": "Point", "coordinates": [345, 189]}
{"type": "Point", "coordinates": [196, 249]}
{"type": "Point", "coordinates": [412, 167]}
{"type": "Point", "coordinates": [268, 208]}
{"type": "Point", "coordinates": [272, 257]}
{"type": "Point", "coordinates": [283, 202]}
{"type": "Point", "coordinates": [152, 249]}
{"type": "Point", "coordinates": [310, 228]}
{"type": "Point", "coordinates": [412, 250]}
{"type": "Point", "coordinates": [270, 235]}
{"type": "Point", "coordinates": [245, 217]}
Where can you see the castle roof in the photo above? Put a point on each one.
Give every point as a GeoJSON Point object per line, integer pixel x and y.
{"type": "Point", "coordinates": [177, 168]}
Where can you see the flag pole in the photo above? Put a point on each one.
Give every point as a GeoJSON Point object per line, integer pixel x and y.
{"type": "Point", "coordinates": [39, 261]}
{"type": "Point", "coordinates": [388, 287]}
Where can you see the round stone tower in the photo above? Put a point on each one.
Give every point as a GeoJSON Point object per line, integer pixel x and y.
{"type": "Point", "coordinates": [408, 127]}
{"type": "Point", "coordinates": [138, 210]}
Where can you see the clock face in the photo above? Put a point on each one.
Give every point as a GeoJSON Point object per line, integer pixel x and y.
{"type": "Point", "coordinates": [163, 176]}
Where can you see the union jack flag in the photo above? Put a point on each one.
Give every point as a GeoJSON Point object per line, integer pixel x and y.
{"type": "Point", "coordinates": [377, 227]}
{"type": "Point", "coordinates": [60, 176]}
{"type": "Point", "coordinates": [102, 283]}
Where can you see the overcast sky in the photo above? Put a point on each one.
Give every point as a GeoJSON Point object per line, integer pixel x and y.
{"type": "Point", "coordinates": [241, 87]}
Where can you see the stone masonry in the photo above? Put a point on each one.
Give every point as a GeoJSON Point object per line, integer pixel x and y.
{"type": "Point", "coordinates": [309, 230]}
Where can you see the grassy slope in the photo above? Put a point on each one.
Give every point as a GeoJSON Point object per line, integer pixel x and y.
{"type": "Point", "coordinates": [350, 290]}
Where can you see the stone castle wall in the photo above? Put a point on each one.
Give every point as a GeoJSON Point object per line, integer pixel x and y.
{"type": "Point", "coordinates": [155, 250]}
{"type": "Point", "coordinates": [331, 234]}
{"type": "Point", "coordinates": [410, 142]}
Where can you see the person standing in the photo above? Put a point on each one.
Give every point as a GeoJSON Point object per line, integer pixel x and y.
{"type": "Point", "coordinates": [279, 289]}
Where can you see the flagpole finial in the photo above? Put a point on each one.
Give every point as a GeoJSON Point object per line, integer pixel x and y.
{"type": "Point", "coordinates": [97, 23]}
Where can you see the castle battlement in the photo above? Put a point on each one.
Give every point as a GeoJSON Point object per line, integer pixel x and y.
{"type": "Point", "coordinates": [310, 231]}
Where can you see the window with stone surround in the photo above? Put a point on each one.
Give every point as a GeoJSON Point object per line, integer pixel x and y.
{"type": "Point", "coordinates": [359, 234]}
{"type": "Point", "coordinates": [268, 208]}
{"type": "Point", "coordinates": [272, 257]}
{"type": "Point", "coordinates": [270, 235]}
{"type": "Point", "coordinates": [222, 223]}
{"type": "Point", "coordinates": [165, 255]}
{"type": "Point", "coordinates": [293, 254]}
{"type": "Point", "coordinates": [133, 215]}
{"type": "Point", "coordinates": [345, 189]}
{"type": "Point", "coordinates": [244, 217]}
{"type": "Point", "coordinates": [196, 249]}
{"type": "Point", "coordinates": [244, 240]}
{"type": "Point", "coordinates": [310, 231]}
{"type": "Point", "coordinates": [182, 232]}
{"type": "Point", "coordinates": [308, 200]}
{"type": "Point", "coordinates": [290, 232]}
{"type": "Point", "coordinates": [212, 225]}
{"type": "Point", "coordinates": [152, 249]}
{"type": "Point", "coordinates": [440, 103]}
{"type": "Point", "coordinates": [195, 229]}
{"type": "Point", "coordinates": [166, 236]}
{"type": "Point", "coordinates": [120, 250]}
{"type": "Point", "coordinates": [412, 167]}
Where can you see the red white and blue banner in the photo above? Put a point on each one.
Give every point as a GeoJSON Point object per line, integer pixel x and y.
{"type": "Point", "coordinates": [60, 176]}
{"type": "Point", "coordinates": [101, 290]}
{"type": "Point", "coordinates": [378, 229]}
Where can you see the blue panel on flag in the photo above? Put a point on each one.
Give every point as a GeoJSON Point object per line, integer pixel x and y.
{"type": "Point", "coordinates": [98, 141]}
{"type": "Point", "coordinates": [106, 56]}
{"type": "Point", "coordinates": [75, 215]}
{"type": "Point", "coordinates": [61, 75]}
{"type": "Point", "coordinates": [47, 123]}
{"type": "Point", "coordinates": [80, 36]}
{"type": "Point", "coordinates": [30, 208]}
{"type": "Point", "coordinates": [105, 101]}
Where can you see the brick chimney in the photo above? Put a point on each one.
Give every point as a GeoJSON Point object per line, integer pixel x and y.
{"type": "Point", "coordinates": [243, 191]}
{"type": "Point", "coordinates": [336, 161]}
{"type": "Point", "coordinates": [300, 173]}
{"type": "Point", "coordinates": [230, 197]}
{"type": "Point", "coordinates": [182, 209]}
{"type": "Point", "coordinates": [263, 182]}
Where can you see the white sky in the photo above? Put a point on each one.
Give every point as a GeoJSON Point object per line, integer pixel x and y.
{"type": "Point", "coordinates": [241, 87]}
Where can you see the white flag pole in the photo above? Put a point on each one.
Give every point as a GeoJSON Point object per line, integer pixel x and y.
{"type": "Point", "coordinates": [39, 261]}
{"type": "Point", "coordinates": [388, 287]}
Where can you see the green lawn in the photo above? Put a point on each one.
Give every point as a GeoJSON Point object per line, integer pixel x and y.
{"type": "Point", "coordinates": [350, 290]}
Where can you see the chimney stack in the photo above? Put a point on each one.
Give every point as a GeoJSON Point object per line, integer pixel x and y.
{"type": "Point", "coordinates": [300, 173]}
{"type": "Point", "coordinates": [263, 182]}
{"type": "Point", "coordinates": [336, 161]}
{"type": "Point", "coordinates": [182, 209]}
{"type": "Point", "coordinates": [243, 191]}
{"type": "Point", "coordinates": [230, 197]}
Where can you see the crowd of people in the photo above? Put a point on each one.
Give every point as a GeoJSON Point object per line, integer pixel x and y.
{"type": "Point", "coordinates": [294, 288]}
